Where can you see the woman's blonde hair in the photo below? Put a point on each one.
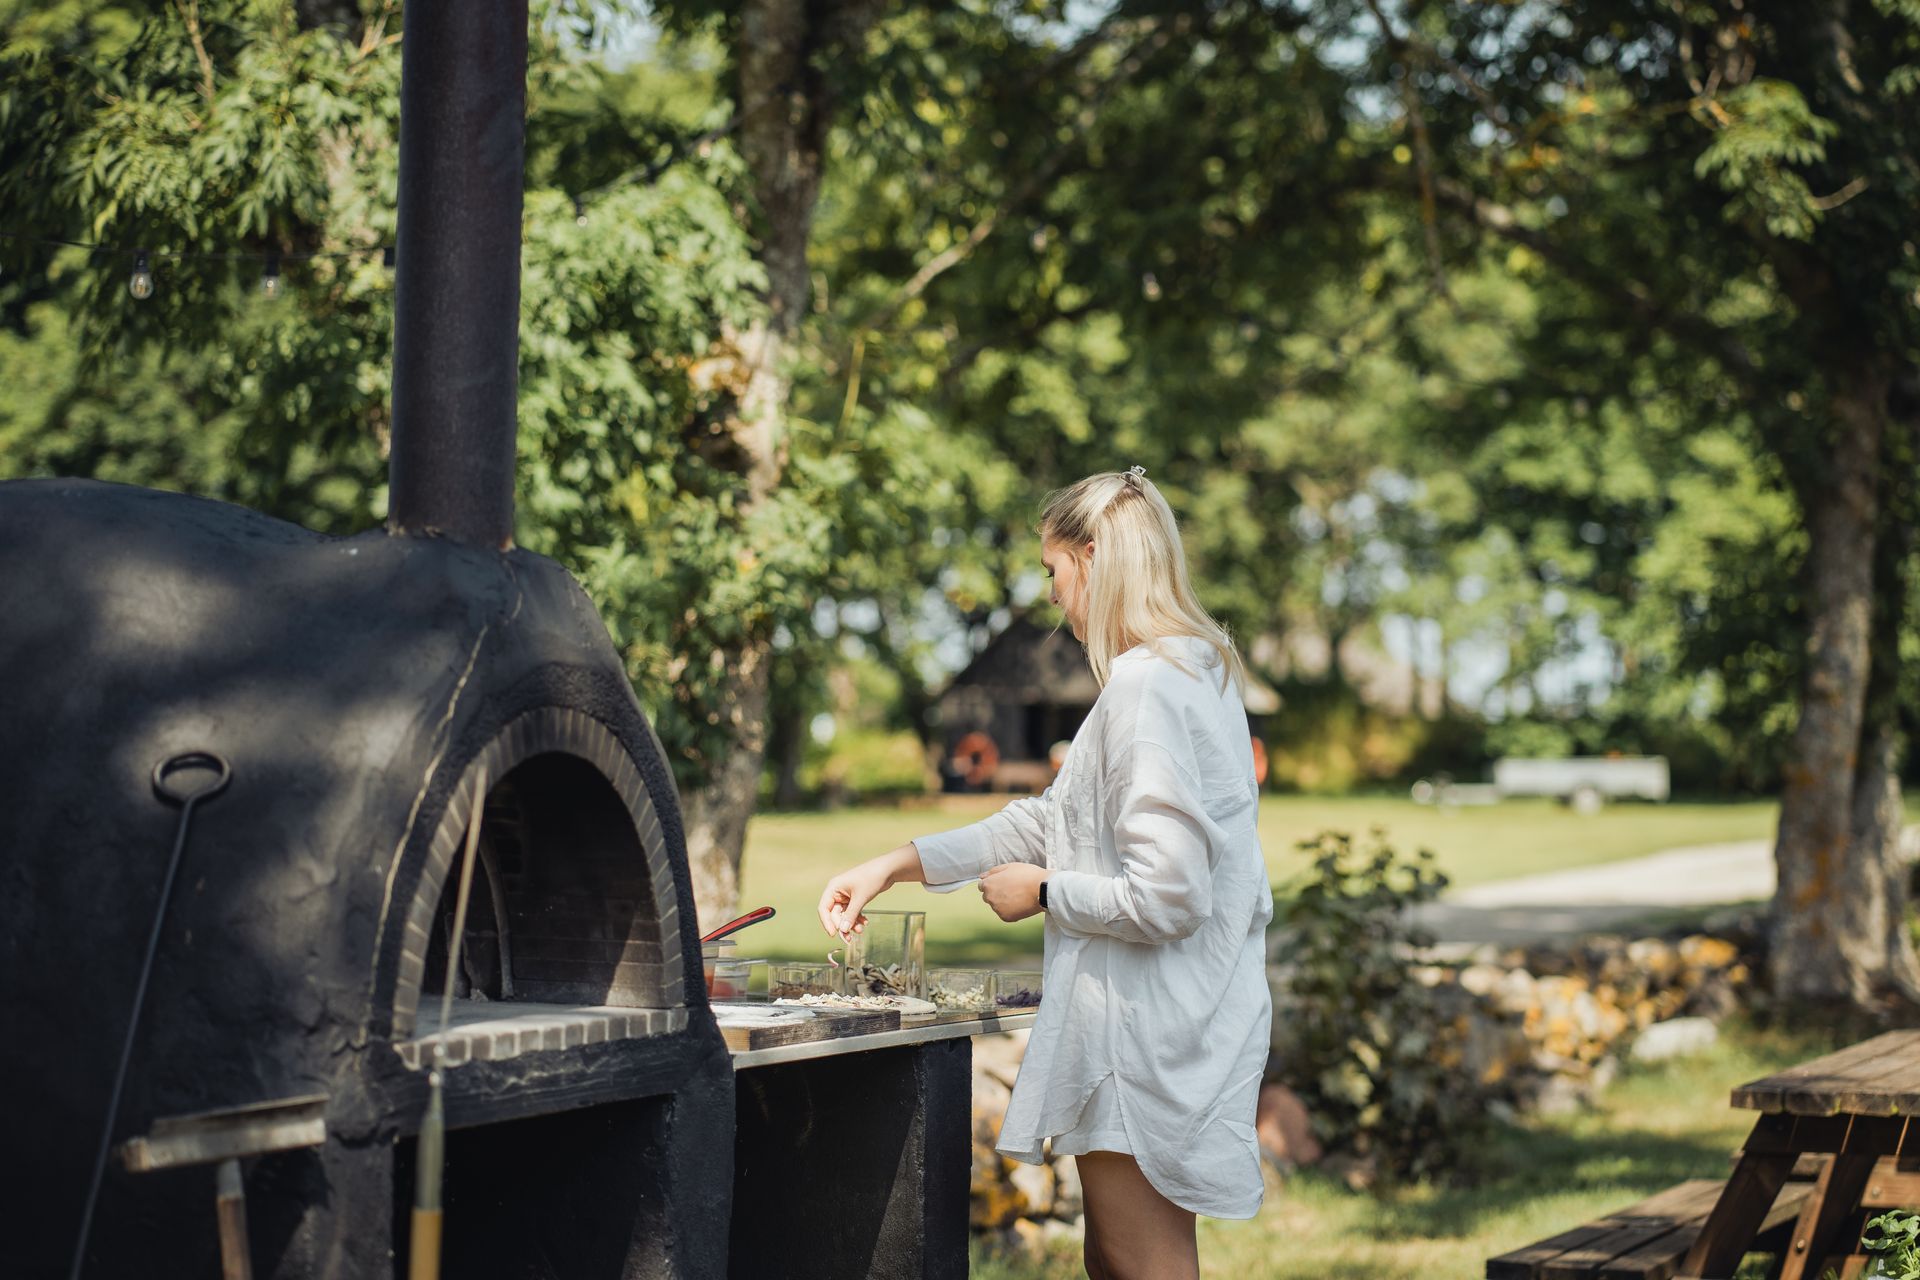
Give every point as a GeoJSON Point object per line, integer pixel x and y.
{"type": "Point", "coordinates": [1138, 590]}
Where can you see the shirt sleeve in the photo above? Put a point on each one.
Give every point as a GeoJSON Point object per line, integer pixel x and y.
{"type": "Point", "coordinates": [1018, 833]}
{"type": "Point", "coordinates": [1164, 891]}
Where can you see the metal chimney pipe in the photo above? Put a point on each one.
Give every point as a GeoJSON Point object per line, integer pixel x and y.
{"type": "Point", "coordinates": [456, 311]}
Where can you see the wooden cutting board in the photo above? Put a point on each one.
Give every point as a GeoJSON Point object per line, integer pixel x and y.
{"type": "Point", "coordinates": [826, 1024]}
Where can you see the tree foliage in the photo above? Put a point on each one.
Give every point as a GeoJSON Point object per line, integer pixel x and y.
{"type": "Point", "coordinates": [1525, 334]}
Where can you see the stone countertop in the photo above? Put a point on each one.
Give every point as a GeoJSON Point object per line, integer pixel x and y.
{"type": "Point", "coordinates": [944, 1026]}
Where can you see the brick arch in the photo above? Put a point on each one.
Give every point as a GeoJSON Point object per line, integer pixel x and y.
{"type": "Point", "coordinates": [579, 868]}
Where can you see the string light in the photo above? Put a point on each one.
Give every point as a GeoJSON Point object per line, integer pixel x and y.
{"type": "Point", "coordinates": [140, 284]}
{"type": "Point", "coordinates": [1150, 287]}
{"type": "Point", "coordinates": [270, 278]}
{"type": "Point", "coordinates": [579, 212]}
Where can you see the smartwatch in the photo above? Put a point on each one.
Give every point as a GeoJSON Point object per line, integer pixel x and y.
{"type": "Point", "coordinates": [1043, 895]}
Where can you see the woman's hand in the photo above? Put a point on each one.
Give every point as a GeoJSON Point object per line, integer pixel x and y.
{"type": "Point", "coordinates": [1012, 889]}
{"type": "Point", "coordinates": [848, 893]}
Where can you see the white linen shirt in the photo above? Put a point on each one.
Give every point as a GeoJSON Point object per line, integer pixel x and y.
{"type": "Point", "coordinates": [1157, 909]}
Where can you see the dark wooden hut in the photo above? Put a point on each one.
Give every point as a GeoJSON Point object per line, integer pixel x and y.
{"type": "Point", "coordinates": [1029, 689]}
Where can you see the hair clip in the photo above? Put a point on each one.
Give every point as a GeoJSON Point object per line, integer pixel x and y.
{"type": "Point", "coordinates": [1136, 470]}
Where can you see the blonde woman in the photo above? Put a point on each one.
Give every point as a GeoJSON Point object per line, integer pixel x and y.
{"type": "Point", "coordinates": [1145, 1059]}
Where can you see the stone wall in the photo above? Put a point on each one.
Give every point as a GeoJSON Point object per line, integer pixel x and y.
{"type": "Point", "coordinates": [1027, 1207]}
{"type": "Point", "coordinates": [1545, 1026]}
{"type": "Point", "coordinates": [1541, 1028]}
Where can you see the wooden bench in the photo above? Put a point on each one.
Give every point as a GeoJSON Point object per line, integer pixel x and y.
{"type": "Point", "coordinates": [1644, 1241]}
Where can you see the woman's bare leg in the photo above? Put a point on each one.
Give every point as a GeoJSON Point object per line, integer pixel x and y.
{"type": "Point", "coordinates": [1090, 1253]}
{"type": "Point", "coordinates": [1133, 1232]}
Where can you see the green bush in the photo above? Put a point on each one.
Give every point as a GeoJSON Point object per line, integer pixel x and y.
{"type": "Point", "coordinates": [1894, 1241]}
{"type": "Point", "coordinates": [1326, 741]}
{"type": "Point", "coordinates": [874, 761]}
{"type": "Point", "coordinates": [1364, 1043]}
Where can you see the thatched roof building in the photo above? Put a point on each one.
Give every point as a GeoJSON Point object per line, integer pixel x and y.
{"type": "Point", "coordinates": [1028, 689]}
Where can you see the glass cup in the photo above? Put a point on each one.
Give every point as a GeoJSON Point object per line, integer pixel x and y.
{"type": "Point", "coordinates": [961, 990]}
{"type": "Point", "coordinates": [1018, 988]}
{"type": "Point", "coordinates": [734, 980]}
{"type": "Point", "coordinates": [803, 978]}
{"type": "Point", "coordinates": [711, 953]}
{"type": "Point", "coordinates": [889, 956]}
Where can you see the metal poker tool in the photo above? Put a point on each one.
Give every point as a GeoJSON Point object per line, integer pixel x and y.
{"type": "Point", "coordinates": [167, 784]}
{"type": "Point", "coordinates": [423, 1262]}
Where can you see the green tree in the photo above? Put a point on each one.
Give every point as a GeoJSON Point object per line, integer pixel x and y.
{"type": "Point", "coordinates": [1723, 196]}
{"type": "Point", "coordinates": [243, 128]}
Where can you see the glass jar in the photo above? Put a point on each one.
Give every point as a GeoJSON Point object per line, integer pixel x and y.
{"type": "Point", "coordinates": [803, 978]}
{"type": "Point", "coordinates": [711, 953]}
{"type": "Point", "coordinates": [889, 956]}
{"type": "Point", "coordinates": [961, 990]}
{"type": "Point", "coordinates": [1018, 988]}
{"type": "Point", "coordinates": [735, 980]}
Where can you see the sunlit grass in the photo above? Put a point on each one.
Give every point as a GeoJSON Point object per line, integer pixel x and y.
{"type": "Point", "coordinates": [1656, 1126]}
{"type": "Point", "coordinates": [790, 856]}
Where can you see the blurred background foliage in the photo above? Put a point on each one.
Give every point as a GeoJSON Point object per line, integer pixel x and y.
{"type": "Point", "coordinates": [1452, 507]}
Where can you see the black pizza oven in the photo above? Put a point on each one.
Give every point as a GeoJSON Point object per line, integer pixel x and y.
{"type": "Point", "coordinates": [357, 690]}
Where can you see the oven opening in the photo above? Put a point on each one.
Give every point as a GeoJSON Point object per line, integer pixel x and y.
{"type": "Point", "coordinates": [563, 943]}
{"type": "Point", "coordinates": [554, 1197]}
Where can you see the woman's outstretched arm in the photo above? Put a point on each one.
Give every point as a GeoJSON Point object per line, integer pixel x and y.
{"type": "Point", "coordinates": [1017, 833]}
{"type": "Point", "coordinates": [848, 893]}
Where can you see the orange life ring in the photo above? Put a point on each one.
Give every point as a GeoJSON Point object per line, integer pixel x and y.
{"type": "Point", "coordinates": [1259, 762]}
{"type": "Point", "coordinates": [975, 757]}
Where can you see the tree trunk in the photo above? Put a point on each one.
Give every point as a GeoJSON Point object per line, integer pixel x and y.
{"type": "Point", "coordinates": [789, 714]}
{"type": "Point", "coordinates": [785, 103]}
{"type": "Point", "coordinates": [1835, 913]}
{"type": "Point", "coordinates": [1877, 810]}
{"type": "Point", "coordinates": [916, 698]}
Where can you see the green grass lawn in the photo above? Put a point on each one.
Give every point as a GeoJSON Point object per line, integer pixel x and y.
{"type": "Point", "coordinates": [1656, 1126]}
{"type": "Point", "coordinates": [790, 856]}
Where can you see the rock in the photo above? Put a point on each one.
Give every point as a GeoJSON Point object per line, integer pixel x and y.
{"type": "Point", "coordinates": [1717, 997]}
{"type": "Point", "coordinates": [993, 1200]}
{"type": "Point", "coordinates": [1056, 1234]}
{"type": "Point", "coordinates": [1028, 1240]}
{"type": "Point", "coordinates": [1907, 843]}
{"type": "Point", "coordinates": [1285, 1128]}
{"type": "Point", "coordinates": [990, 1099]}
{"type": "Point", "coordinates": [1035, 1182]}
{"type": "Point", "coordinates": [1514, 993]}
{"type": "Point", "coordinates": [1068, 1202]}
{"type": "Point", "coordinates": [1702, 952]}
{"type": "Point", "coordinates": [1482, 979]}
{"type": "Point", "coordinates": [999, 1055]}
{"type": "Point", "coordinates": [1675, 1038]}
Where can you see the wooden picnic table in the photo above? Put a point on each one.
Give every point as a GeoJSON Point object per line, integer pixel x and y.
{"type": "Point", "coordinates": [1844, 1118]}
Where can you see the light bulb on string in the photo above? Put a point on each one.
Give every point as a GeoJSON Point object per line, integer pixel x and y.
{"type": "Point", "coordinates": [270, 278]}
{"type": "Point", "coordinates": [1150, 287]}
{"type": "Point", "coordinates": [579, 212]}
{"type": "Point", "coordinates": [140, 284]}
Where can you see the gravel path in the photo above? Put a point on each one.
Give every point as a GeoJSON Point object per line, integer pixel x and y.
{"type": "Point", "coordinates": [1594, 899]}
